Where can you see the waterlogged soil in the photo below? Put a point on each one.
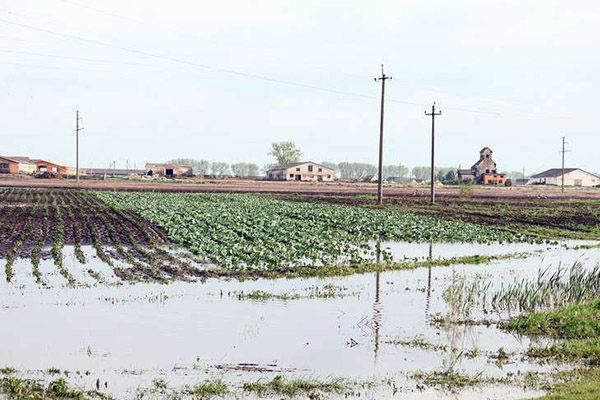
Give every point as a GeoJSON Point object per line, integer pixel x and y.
{"type": "Point", "coordinates": [374, 330]}
{"type": "Point", "coordinates": [36, 224]}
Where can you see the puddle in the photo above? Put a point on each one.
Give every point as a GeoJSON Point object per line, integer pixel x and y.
{"type": "Point", "coordinates": [128, 335]}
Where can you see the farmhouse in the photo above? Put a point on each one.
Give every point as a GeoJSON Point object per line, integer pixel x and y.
{"type": "Point", "coordinates": [16, 165]}
{"type": "Point", "coordinates": [573, 177]}
{"type": "Point", "coordinates": [301, 171]}
{"type": "Point", "coordinates": [169, 170]}
{"type": "Point", "coordinates": [483, 171]}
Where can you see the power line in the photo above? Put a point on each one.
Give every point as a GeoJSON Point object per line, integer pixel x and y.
{"type": "Point", "coordinates": [28, 53]}
{"type": "Point", "coordinates": [217, 69]}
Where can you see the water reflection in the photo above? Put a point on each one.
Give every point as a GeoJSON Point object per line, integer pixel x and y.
{"type": "Point", "coordinates": [377, 307]}
{"type": "Point", "coordinates": [428, 295]}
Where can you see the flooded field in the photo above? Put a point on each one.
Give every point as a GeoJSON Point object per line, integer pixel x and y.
{"type": "Point", "coordinates": [375, 335]}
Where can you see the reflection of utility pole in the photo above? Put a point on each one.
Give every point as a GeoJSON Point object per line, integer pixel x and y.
{"type": "Point", "coordinates": [433, 114]}
{"type": "Point", "coordinates": [376, 315]}
{"type": "Point", "coordinates": [428, 298]}
{"type": "Point", "coordinates": [380, 173]}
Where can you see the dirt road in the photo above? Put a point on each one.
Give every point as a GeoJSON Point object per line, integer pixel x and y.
{"type": "Point", "coordinates": [322, 188]}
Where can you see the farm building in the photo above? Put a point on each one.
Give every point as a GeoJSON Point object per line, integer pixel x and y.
{"type": "Point", "coordinates": [573, 177]}
{"type": "Point", "coordinates": [168, 170]}
{"type": "Point", "coordinates": [112, 172]}
{"type": "Point", "coordinates": [301, 171]}
{"type": "Point", "coordinates": [48, 166]}
{"type": "Point", "coordinates": [483, 171]}
{"type": "Point", "coordinates": [16, 165]}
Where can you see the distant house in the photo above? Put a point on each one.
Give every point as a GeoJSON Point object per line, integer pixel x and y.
{"type": "Point", "coordinates": [484, 171]}
{"type": "Point", "coordinates": [301, 171]}
{"type": "Point", "coordinates": [573, 177]}
{"type": "Point", "coordinates": [168, 170]}
{"type": "Point", "coordinates": [16, 165]}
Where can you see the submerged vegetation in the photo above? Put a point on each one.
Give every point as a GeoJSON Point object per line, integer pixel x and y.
{"type": "Point", "coordinates": [562, 287]}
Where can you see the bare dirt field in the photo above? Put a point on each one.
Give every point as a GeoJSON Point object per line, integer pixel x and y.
{"type": "Point", "coordinates": [322, 188]}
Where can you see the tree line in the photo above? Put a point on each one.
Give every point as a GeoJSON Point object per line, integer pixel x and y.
{"type": "Point", "coordinates": [288, 152]}
{"type": "Point", "coordinates": [218, 168]}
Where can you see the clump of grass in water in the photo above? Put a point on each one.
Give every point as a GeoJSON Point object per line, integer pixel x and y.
{"type": "Point", "coordinates": [209, 389]}
{"type": "Point", "coordinates": [565, 286]}
{"type": "Point", "coordinates": [16, 388]}
{"type": "Point", "coordinates": [282, 386]}
{"type": "Point", "coordinates": [578, 326]}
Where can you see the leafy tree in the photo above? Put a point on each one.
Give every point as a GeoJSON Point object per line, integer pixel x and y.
{"type": "Point", "coordinates": [450, 177]}
{"type": "Point", "coordinates": [244, 169]}
{"type": "Point", "coordinates": [253, 169]}
{"type": "Point", "coordinates": [239, 169]}
{"type": "Point", "coordinates": [220, 168]}
{"type": "Point", "coordinates": [348, 170]}
{"type": "Point", "coordinates": [395, 171]}
{"type": "Point", "coordinates": [421, 173]}
{"type": "Point", "coordinates": [442, 172]}
{"type": "Point", "coordinates": [285, 152]}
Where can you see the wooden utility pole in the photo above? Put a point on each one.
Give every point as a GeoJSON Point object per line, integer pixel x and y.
{"type": "Point", "coordinates": [383, 78]}
{"type": "Point", "coordinates": [563, 151]}
{"type": "Point", "coordinates": [433, 114]}
{"type": "Point", "coordinates": [77, 130]}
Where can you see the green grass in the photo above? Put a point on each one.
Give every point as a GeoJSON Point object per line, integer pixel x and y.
{"type": "Point", "coordinates": [586, 386]}
{"type": "Point", "coordinates": [209, 389]}
{"type": "Point", "coordinates": [577, 329]}
{"type": "Point", "coordinates": [27, 389]}
{"type": "Point", "coordinates": [281, 386]}
{"type": "Point", "coordinates": [581, 321]}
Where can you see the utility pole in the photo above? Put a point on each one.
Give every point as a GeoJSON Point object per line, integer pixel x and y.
{"type": "Point", "coordinates": [433, 114]}
{"type": "Point", "coordinates": [563, 151]}
{"type": "Point", "coordinates": [524, 183]}
{"type": "Point", "coordinates": [77, 130]}
{"type": "Point", "coordinates": [383, 78]}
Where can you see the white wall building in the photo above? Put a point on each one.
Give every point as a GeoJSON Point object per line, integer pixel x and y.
{"type": "Point", "coordinates": [573, 177]}
{"type": "Point", "coordinates": [301, 171]}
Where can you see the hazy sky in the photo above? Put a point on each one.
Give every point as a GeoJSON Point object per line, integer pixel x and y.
{"type": "Point", "coordinates": [512, 75]}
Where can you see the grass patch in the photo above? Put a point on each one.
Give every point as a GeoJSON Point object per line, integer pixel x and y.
{"type": "Point", "coordinates": [281, 386]}
{"type": "Point", "coordinates": [209, 389]}
{"type": "Point", "coordinates": [585, 386]}
{"type": "Point", "coordinates": [19, 389]}
{"type": "Point", "coordinates": [581, 321]}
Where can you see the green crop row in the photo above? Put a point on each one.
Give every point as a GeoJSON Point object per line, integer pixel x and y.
{"type": "Point", "coordinates": [241, 231]}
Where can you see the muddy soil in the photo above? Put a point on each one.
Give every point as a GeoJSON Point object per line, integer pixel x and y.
{"type": "Point", "coordinates": [418, 192]}
{"type": "Point", "coordinates": [43, 221]}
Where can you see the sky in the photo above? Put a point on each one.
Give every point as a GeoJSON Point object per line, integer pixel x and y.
{"type": "Point", "coordinates": [222, 80]}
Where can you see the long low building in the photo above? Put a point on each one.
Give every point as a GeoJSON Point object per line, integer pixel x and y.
{"type": "Point", "coordinates": [112, 172]}
{"type": "Point", "coordinates": [572, 176]}
{"type": "Point", "coordinates": [168, 170]}
{"type": "Point", "coordinates": [301, 171]}
{"type": "Point", "coordinates": [26, 165]}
